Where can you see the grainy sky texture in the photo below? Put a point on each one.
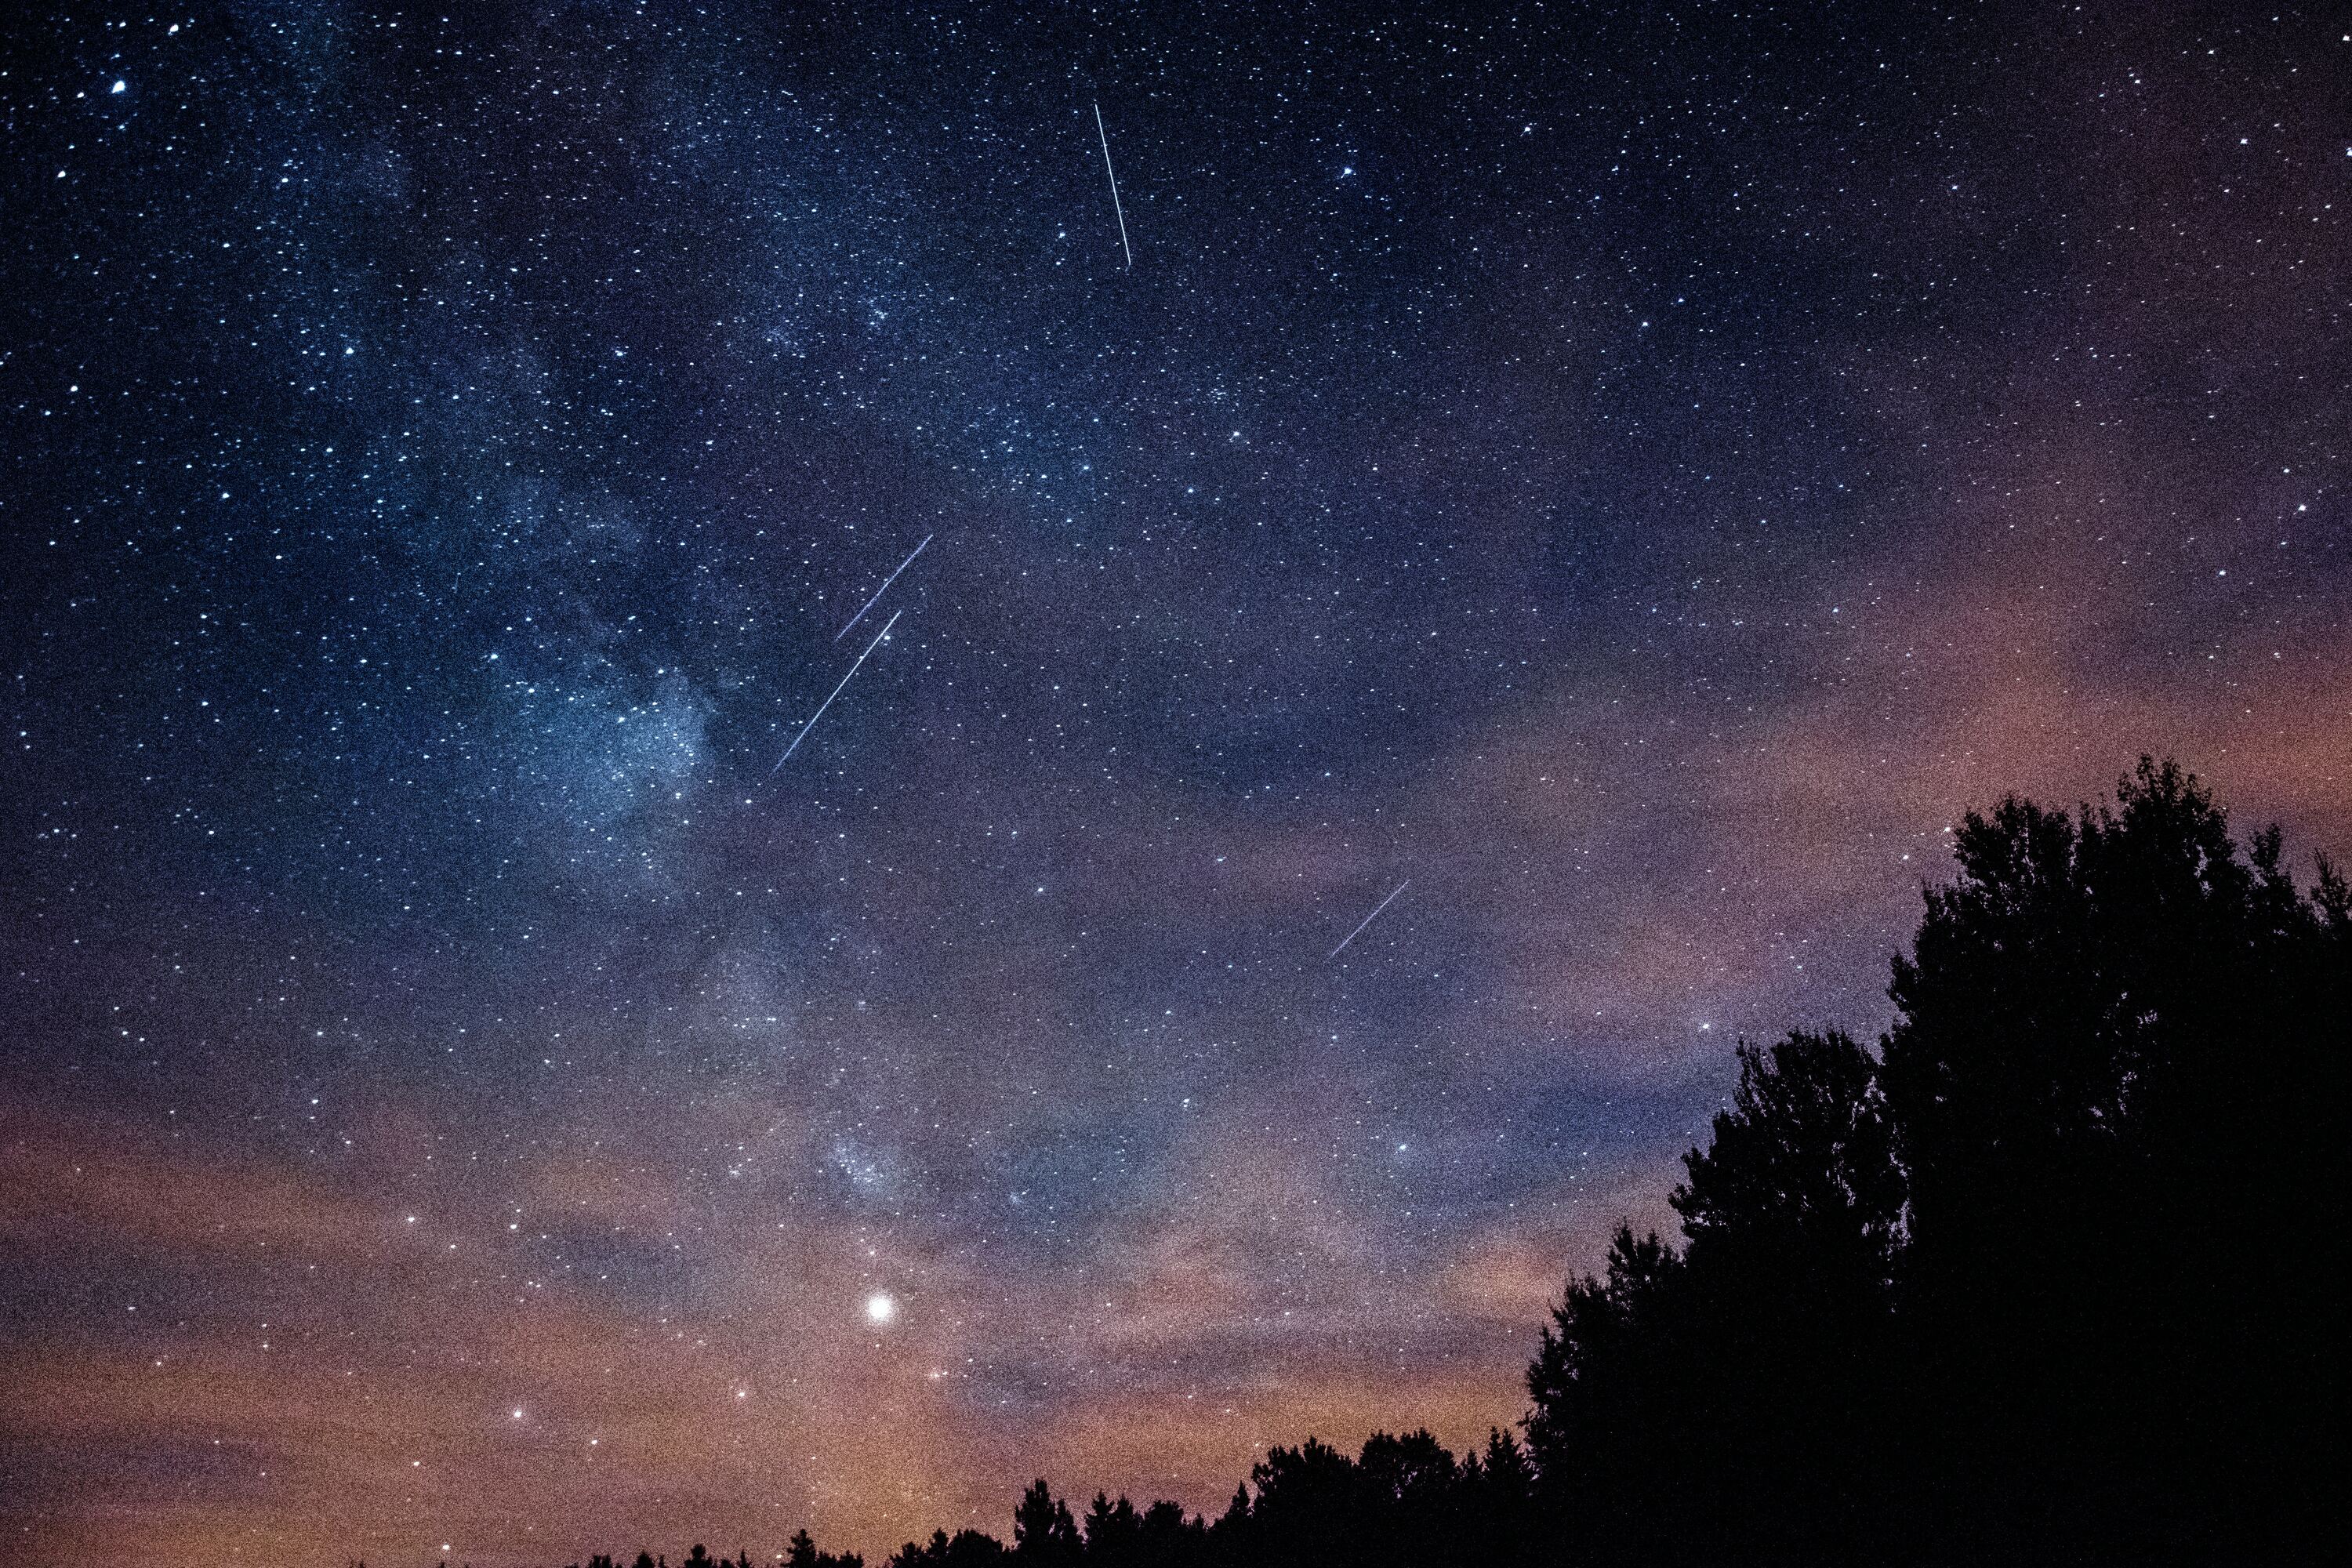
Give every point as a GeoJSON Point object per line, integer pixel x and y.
{"type": "Point", "coordinates": [1630, 476]}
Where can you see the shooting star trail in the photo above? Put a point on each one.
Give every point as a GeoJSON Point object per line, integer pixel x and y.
{"type": "Point", "coordinates": [1117, 210]}
{"type": "Point", "coordinates": [884, 588]}
{"type": "Point", "coordinates": [1368, 919]}
{"type": "Point", "coordinates": [837, 691]}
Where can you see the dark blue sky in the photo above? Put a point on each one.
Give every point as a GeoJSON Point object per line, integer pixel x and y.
{"type": "Point", "coordinates": [1634, 476]}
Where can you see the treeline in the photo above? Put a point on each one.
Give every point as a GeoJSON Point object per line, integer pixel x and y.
{"type": "Point", "coordinates": [2042, 1278]}
{"type": "Point", "coordinates": [1404, 1500]}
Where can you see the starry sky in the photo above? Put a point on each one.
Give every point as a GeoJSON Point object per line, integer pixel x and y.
{"type": "Point", "coordinates": [1620, 480]}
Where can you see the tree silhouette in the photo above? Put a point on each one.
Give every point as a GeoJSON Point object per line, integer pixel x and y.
{"type": "Point", "coordinates": [965, 1549]}
{"type": "Point", "coordinates": [1114, 1531]}
{"type": "Point", "coordinates": [801, 1551]}
{"type": "Point", "coordinates": [2037, 1283]}
{"type": "Point", "coordinates": [1793, 1216]}
{"type": "Point", "coordinates": [2114, 1037]}
{"type": "Point", "coordinates": [1043, 1530]}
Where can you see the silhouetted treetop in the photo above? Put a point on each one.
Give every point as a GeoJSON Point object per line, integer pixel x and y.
{"type": "Point", "coordinates": [2038, 1280]}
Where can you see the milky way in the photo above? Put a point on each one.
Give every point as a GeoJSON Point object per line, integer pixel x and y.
{"type": "Point", "coordinates": [1634, 476]}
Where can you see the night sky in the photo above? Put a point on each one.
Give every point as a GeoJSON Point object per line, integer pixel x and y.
{"type": "Point", "coordinates": [1627, 478]}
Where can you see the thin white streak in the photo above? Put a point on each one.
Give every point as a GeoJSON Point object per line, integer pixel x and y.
{"type": "Point", "coordinates": [1118, 211]}
{"type": "Point", "coordinates": [1368, 919]}
{"type": "Point", "coordinates": [884, 588]}
{"type": "Point", "coordinates": [837, 691]}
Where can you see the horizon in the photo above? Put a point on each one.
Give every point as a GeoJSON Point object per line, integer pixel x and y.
{"type": "Point", "coordinates": [767, 770]}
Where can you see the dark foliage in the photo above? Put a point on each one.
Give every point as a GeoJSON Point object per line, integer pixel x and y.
{"type": "Point", "coordinates": [1404, 1500]}
{"type": "Point", "coordinates": [2040, 1280]}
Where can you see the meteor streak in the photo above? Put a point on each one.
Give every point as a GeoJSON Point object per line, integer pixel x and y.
{"type": "Point", "coordinates": [1116, 211]}
{"type": "Point", "coordinates": [884, 588]}
{"type": "Point", "coordinates": [1368, 918]}
{"type": "Point", "coordinates": [837, 691]}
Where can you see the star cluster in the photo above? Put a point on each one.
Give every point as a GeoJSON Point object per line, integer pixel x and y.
{"type": "Point", "coordinates": [500, 1064]}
